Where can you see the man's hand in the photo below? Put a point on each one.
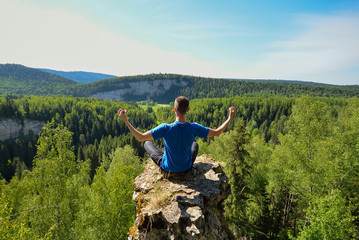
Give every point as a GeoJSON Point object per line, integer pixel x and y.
{"type": "Point", "coordinates": [232, 111]}
{"type": "Point", "coordinates": [122, 113]}
{"type": "Point", "coordinates": [219, 130]}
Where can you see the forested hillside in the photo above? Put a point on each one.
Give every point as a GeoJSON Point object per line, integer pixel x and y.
{"type": "Point", "coordinates": [161, 88]}
{"type": "Point", "coordinates": [303, 182]}
{"type": "Point", "coordinates": [17, 79]}
{"type": "Point", "coordinates": [198, 87]}
{"type": "Point", "coordinates": [79, 76]}
{"type": "Point", "coordinates": [293, 165]}
{"type": "Point", "coordinates": [96, 129]}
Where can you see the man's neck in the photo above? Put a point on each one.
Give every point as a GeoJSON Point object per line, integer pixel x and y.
{"type": "Point", "coordinates": [181, 118]}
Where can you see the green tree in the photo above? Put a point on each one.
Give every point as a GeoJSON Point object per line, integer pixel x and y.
{"type": "Point", "coordinates": [9, 227]}
{"type": "Point", "coordinates": [108, 211]}
{"type": "Point", "coordinates": [312, 159]}
{"type": "Point", "coordinates": [238, 171]}
{"type": "Point", "coordinates": [51, 195]}
{"type": "Point", "coordinates": [328, 217]}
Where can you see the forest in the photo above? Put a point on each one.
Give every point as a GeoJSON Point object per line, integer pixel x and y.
{"type": "Point", "coordinates": [292, 161]}
{"type": "Point", "coordinates": [18, 79]}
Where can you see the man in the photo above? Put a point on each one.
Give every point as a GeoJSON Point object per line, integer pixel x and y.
{"type": "Point", "coordinates": [180, 148]}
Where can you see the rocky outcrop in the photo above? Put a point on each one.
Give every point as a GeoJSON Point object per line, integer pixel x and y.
{"type": "Point", "coordinates": [11, 129]}
{"type": "Point", "coordinates": [181, 206]}
{"type": "Point", "coordinates": [148, 88]}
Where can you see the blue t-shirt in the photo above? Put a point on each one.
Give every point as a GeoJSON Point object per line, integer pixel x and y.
{"type": "Point", "coordinates": [178, 138]}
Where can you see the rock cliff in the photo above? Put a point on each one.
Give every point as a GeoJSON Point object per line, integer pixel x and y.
{"type": "Point", "coordinates": [148, 88]}
{"type": "Point", "coordinates": [10, 129]}
{"type": "Point", "coordinates": [181, 206]}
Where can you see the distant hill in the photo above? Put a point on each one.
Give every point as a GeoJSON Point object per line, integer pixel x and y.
{"type": "Point", "coordinates": [286, 81]}
{"type": "Point", "coordinates": [79, 76]}
{"type": "Point", "coordinates": [161, 88]}
{"type": "Point", "coordinates": [18, 79]}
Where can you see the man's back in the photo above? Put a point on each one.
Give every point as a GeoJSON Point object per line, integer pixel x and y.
{"type": "Point", "coordinates": [178, 139]}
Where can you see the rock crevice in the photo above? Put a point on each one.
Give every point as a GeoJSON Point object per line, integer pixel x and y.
{"type": "Point", "coordinates": [181, 206]}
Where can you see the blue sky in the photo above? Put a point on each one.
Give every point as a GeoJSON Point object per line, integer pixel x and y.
{"type": "Point", "coordinates": [293, 40]}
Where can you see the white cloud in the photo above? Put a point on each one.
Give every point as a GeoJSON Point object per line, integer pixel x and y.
{"type": "Point", "coordinates": [329, 45]}
{"type": "Point", "coordinates": [57, 38]}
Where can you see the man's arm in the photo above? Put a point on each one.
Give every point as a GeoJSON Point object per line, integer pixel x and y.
{"type": "Point", "coordinates": [122, 113]}
{"type": "Point", "coordinates": [218, 131]}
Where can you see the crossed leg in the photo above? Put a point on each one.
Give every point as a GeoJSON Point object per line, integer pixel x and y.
{"type": "Point", "coordinates": [156, 154]}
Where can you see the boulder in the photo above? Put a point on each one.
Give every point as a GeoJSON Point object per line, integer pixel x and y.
{"type": "Point", "coordinates": [181, 206]}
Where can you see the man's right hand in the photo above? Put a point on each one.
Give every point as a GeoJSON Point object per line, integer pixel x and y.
{"type": "Point", "coordinates": [122, 113]}
{"type": "Point", "coordinates": [232, 111]}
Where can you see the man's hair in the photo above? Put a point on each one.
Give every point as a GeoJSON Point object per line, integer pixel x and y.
{"type": "Point", "coordinates": [182, 104]}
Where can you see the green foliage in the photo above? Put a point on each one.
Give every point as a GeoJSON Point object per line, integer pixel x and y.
{"type": "Point", "coordinates": [257, 208]}
{"type": "Point", "coordinates": [94, 123]}
{"type": "Point", "coordinates": [108, 210]}
{"type": "Point", "coordinates": [9, 227]}
{"type": "Point", "coordinates": [291, 162]}
{"type": "Point", "coordinates": [51, 194]}
{"type": "Point", "coordinates": [17, 79]}
{"type": "Point", "coordinates": [329, 217]}
{"type": "Point", "coordinates": [230, 149]}
{"type": "Point", "coordinates": [199, 87]}
{"type": "Point", "coordinates": [265, 116]}
{"type": "Point", "coordinates": [57, 200]}
{"type": "Point", "coordinates": [279, 184]}
{"type": "Point", "coordinates": [245, 160]}
{"type": "Point", "coordinates": [305, 151]}
{"type": "Point", "coordinates": [312, 158]}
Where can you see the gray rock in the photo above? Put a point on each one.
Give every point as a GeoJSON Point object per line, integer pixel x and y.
{"type": "Point", "coordinates": [11, 129]}
{"type": "Point", "coordinates": [140, 88]}
{"type": "Point", "coordinates": [181, 206]}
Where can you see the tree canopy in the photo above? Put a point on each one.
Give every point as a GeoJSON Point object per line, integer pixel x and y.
{"type": "Point", "coordinates": [293, 165]}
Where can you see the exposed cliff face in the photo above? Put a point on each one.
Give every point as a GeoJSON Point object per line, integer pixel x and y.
{"type": "Point", "coordinates": [149, 88]}
{"type": "Point", "coordinates": [10, 129]}
{"type": "Point", "coordinates": [183, 206]}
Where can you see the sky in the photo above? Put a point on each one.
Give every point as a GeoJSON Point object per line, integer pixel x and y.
{"type": "Point", "coordinates": [302, 40]}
